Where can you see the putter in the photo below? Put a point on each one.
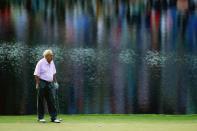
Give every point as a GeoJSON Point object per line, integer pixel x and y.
{"type": "Point", "coordinates": [56, 96]}
{"type": "Point", "coordinates": [57, 102]}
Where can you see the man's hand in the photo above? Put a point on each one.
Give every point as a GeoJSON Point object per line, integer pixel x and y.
{"type": "Point", "coordinates": [56, 85]}
{"type": "Point", "coordinates": [37, 81]}
{"type": "Point", "coordinates": [37, 86]}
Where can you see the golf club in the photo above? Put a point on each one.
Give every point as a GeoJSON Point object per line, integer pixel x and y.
{"type": "Point", "coordinates": [57, 99]}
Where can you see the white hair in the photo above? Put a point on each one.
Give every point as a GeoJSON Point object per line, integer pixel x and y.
{"type": "Point", "coordinates": [47, 52]}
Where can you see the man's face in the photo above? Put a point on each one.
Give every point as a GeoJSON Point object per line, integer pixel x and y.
{"type": "Point", "coordinates": [49, 58]}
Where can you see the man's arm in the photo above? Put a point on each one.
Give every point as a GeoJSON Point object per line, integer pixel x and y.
{"type": "Point", "coordinates": [37, 74]}
{"type": "Point", "coordinates": [56, 85]}
{"type": "Point", "coordinates": [37, 78]}
{"type": "Point", "coordinates": [54, 78]}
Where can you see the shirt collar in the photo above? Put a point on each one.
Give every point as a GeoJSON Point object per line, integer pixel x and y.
{"type": "Point", "coordinates": [46, 62]}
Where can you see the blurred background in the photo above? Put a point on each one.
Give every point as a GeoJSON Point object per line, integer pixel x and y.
{"type": "Point", "coordinates": [112, 56]}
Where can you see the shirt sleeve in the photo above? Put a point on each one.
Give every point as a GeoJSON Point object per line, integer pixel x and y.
{"type": "Point", "coordinates": [37, 69]}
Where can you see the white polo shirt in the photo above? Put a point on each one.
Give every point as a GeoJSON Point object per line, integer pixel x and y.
{"type": "Point", "coordinates": [44, 70]}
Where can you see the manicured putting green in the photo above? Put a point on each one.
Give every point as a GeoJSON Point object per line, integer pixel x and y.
{"type": "Point", "coordinates": [102, 123]}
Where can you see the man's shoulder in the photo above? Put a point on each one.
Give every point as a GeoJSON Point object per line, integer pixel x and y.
{"type": "Point", "coordinates": [41, 61]}
{"type": "Point", "coordinates": [52, 62]}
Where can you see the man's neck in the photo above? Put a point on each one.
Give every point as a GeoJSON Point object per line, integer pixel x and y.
{"type": "Point", "coordinates": [49, 62]}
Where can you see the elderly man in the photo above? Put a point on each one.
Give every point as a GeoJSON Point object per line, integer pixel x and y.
{"type": "Point", "coordinates": [45, 78]}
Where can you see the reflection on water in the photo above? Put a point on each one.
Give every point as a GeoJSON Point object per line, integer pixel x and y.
{"type": "Point", "coordinates": [121, 56]}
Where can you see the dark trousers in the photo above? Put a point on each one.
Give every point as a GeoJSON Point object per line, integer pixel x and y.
{"type": "Point", "coordinates": [45, 92]}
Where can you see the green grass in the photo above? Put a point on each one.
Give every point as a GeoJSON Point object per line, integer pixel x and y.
{"type": "Point", "coordinates": [102, 123]}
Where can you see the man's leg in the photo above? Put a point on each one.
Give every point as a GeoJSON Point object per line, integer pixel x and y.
{"type": "Point", "coordinates": [51, 102]}
{"type": "Point", "coordinates": [40, 102]}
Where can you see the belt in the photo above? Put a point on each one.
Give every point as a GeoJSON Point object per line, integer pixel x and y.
{"type": "Point", "coordinates": [48, 82]}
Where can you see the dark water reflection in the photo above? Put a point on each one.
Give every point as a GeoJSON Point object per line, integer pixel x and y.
{"type": "Point", "coordinates": [115, 56]}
